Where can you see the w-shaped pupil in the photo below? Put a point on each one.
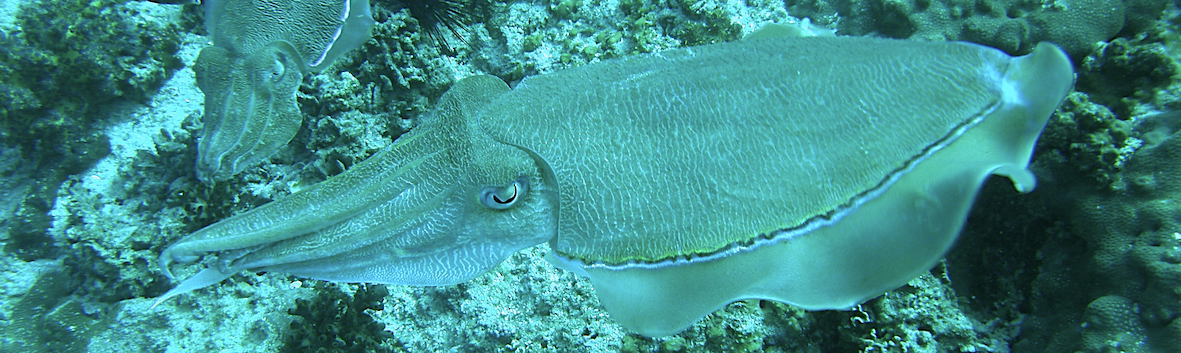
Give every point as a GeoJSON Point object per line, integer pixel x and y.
{"type": "Point", "coordinates": [496, 198]}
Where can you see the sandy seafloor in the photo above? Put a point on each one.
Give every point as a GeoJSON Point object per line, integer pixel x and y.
{"type": "Point", "coordinates": [1090, 261]}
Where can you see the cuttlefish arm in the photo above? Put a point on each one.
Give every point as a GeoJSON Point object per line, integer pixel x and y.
{"type": "Point", "coordinates": [250, 107]}
{"type": "Point", "coordinates": [441, 205]}
{"type": "Point", "coordinates": [261, 52]}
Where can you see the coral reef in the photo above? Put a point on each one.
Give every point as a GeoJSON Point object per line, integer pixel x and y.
{"type": "Point", "coordinates": [1123, 72]}
{"type": "Point", "coordinates": [351, 115]}
{"type": "Point", "coordinates": [1010, 25]}
{"type": "Point", "coordinates": [526, 304]}
{"type": "Point", "coordinates": [1089, 138]}
{"type": "Point", "coordinates": [1134, 237]}
{"type": "Point", "coordinates": [1088, 262]}
{"type": "Point", "coordinates": [1115, 269]}
{"type": "Point", "coordinates": [59, 72]}
{"type": "Point", "coordinates": [542, 36]}
{"type": "Point", "coordinates": [71, 65]}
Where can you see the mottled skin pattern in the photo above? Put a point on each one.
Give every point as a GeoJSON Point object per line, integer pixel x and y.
{"type": "Point", "coordinates": [690, 152]}
{"type": "Point", "coordinates": [718, 169]}
{"type": "Point", "coordinates": [319, 30]}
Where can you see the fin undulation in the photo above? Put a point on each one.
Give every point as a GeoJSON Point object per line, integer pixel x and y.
{"type": "Point", "coordinates": [819, 182]}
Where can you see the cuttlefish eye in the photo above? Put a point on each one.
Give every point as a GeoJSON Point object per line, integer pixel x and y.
{"type": "Point", "coordinates": [278, 67]}
{"type": "Point", "coordinates": [503, 197]}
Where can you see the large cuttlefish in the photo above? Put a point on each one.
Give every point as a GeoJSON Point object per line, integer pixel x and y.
{"type": "Point", "coordinates": [816, 171]}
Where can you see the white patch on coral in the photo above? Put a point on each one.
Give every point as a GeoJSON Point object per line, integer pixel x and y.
{"type": "Point", "coordinates": [168, 108]}
{"type": "Point", "coordinates": [8, 10]}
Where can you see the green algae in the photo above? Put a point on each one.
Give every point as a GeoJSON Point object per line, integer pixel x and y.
{"type": "Point", "coordinates": [352, 115]}
{"type": "Point", "coordinates": [1123, 72]}
{"type": "Point", "coordinates": [1089, 138]}
{"type": "Point", "coordinates": [338, 321]}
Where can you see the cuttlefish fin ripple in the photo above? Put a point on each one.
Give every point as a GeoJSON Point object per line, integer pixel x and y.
{"type": "Point", "coordinates": [880, 240]}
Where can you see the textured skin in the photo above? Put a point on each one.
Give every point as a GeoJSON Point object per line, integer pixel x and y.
{"type": "Point", "coordinates": [410, 214]}
{"type": "Point", "coordinates": [262, 49]}
{"type": "Point", "coordinates": [312, 27]}
{"type": "Point", "coordinates": [697, 150]}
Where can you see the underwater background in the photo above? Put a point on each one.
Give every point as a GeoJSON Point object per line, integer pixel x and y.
{"type": "Point", "coordinates": [99, 113]}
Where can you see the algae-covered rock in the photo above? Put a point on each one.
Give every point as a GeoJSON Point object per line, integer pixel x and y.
{"type": "Point", "coordinates": [922, 316]}
{"type": "Point", "coordinates": [69, 61]}
{"type": "Point", "coordinates": [1133, 239]}
{"type": "Point", "coordinates": [1010, 25]}
{"type": "Point", "coordinates": [336, 320]}
{"type": "Point", "coordinates": [1088, 138]}
{"type": "Point", "coordinates": [1121, 72]}
{"type": "Point", "coordinates": [351, 115]}
{"type": "Point", "coordinates": [72, 57]}
{"type": "Point", "coordinates": [527, 305]}
{"type": "Point", "coordinates": [1111, 324]}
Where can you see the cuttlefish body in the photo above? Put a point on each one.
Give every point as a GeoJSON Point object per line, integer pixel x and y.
{"type": "Point", "coordinates": [814, 171]}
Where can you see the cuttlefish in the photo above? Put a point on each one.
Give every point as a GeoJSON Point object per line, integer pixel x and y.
{"type": "Point", "coordinates": [261, 51]}
{"type": "Point", "coordinates": [816, 171]}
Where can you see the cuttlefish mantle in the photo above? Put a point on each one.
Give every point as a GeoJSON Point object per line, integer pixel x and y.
{"type": "Point", "coordinates": [819, 172]}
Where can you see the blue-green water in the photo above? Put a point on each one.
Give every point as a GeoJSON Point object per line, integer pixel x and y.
{"type": "Point", "coordinates": [101, 115]}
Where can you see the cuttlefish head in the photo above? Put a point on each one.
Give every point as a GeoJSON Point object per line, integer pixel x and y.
{"type": "Point", "coordinates": [480, 206]}
{"type": "Point", "coordinates": [250, 107]}
{"type": "Point", "coordinates": [443, 204]}
{"type": "Point", "coordinates": [469, 200]}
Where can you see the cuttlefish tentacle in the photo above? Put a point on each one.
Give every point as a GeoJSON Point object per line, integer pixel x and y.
{"type": "Point", "coordinates": [249, 104]}
{"type": "Point", "coordinates": [388, 221]}
{"type": "Point", "coordinates": [321, 205]}
{"type": "Point", "coordinates": [813, 171]}
{"type": "Point", "coordinates": [413, 213]}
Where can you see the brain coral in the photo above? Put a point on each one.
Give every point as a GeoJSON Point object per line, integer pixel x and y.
{"type": "Point", "coordinates": [1134, 237]}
